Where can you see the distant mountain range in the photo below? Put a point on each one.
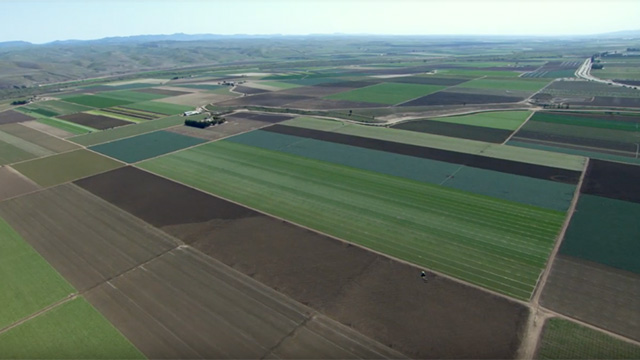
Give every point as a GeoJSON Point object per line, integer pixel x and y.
{"type": "Point", "coordinates": [201, 37]}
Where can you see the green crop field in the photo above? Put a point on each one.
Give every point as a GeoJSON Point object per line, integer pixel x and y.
{"type": "Point", "coordinates": [530, 156]}
{"type": "Point", "coordinates": [522, 189]}
{"type": "Point", "coordinates": [131, 96]}
{"type": "Point", "coordinates": [126, 131]}
{"type": "Point", "coordinates": [506, 120]}
{"type": "Point", "coordinates": [96, 101]}
{"type": "Point", "coordinates": [280, 85]}
{"type": "Point", "coordinates": [115, 116]}
{"type": "Point", "coordinates": [29, 283]}
{"type": "Point", "coordinates": [585, 132]}
{"type": "Point", "coordinates": [146, 146]}
{"type": "Point", "coordinates": [53, 108]}
{"type": "Point", "coordinates": [576, 119]}
{"type": "Point", "coordinates": [159, 107]}
{"type": "Point", "coordinates": [35, 141]}
{"type": "Point", "coordinates": [497, 244]}
{"type": "Point", "coordinates": [57, 169]}
{"type": "Point", "coordinates": [605, 231]}
{"type": "Point", "coordinates": [386, 93]}
{"type": "Point", "coordinates": [67, 126]}
{"type": "Point", "coordinates": [73, 330]}
{"type": "Point", "coordinates": [507, 84]}
{"type": "Point", "coordinates": [10, 154]}
{"type": "Point", "coordinates": [563, 150]}
{"type": "Point", "coordinates": [563, 339]}
{"type": "Point", "coordinates": [479, 73]}
{"type": "Point", "coordinates": [618, 72]}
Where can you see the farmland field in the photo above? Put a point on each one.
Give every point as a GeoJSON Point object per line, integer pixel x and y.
{"type": "Point", "coordinates": [131, 96]}
{"type": "Point", "coordinates": [471, 132]}
{"type": "Point", "coordinates": [126, 131]}
{"type": "Point", "coordinates": [146, 146]}
{"type": "Point", "coordinates": [56, 169]}
{"type": "Point", "coordinates": [68, 126]}
{"type": "Point", "coordinates": [328, 275]}
{"type": "Point", "coordinates": [29, 283]}
{"type": "Point", "coordinates": [96, 101]}
{"type": "Point", "coordinates": [159, 107]}
{"type": "Point", "coordinates": [505, 120]}
{"type": "Point", "coordinates": [104, 244]}
{"type": "Point", "coordinates": [563, 339]}
{"type": "Point", "coordinates": [330, 198]}
{"type": "Point", "coordinates": [73, 330]}
{"type": "Point", "coordinates": [450, 97]}
{"type": "Point", "coordinates": [387, 93]}
{"type": "Point", "coordinates": [94, 121]}
{"type": "Point", "coordinates": [10, 116]}
{"type": "Point", "coordinates": [38, 138]}
{"type": "Point", "coordinates": [14, 183]}
{"type": "Point", "coordinates": [506, 84]}
{"type": "Point", "coordinates": [53, 108]}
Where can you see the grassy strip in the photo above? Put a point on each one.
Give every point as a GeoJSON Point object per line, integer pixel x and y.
{"type": "Point", "coordinates": [74, 330]}
{"type": "Point", "coordinates": [28, 283]}
{"type": "Point", "coordinates": [563, 339]}
{"type": "Point", "coordinates": [493, 243]}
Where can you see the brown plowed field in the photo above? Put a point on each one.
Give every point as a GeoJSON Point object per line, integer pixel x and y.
{"type": "Point", "coordinates": [453, 98]}
{"type": "Point", "coordinates": [477, 161]}
{"type": "Point", "coordinates": [195, 307]}
{"type": "Point", "coordinates": [380, 298]}
{"type": "Point", "coordinates": [594, 293]}
{"type": "Point", "coordinates": [163, 92]}
{"type": "Point", "coordinates": [612, 180]}
{"type": "Point", "coordinates": [95, 121]}
{"type": "Point", "coordinates": [10, 116]}
{"type": "Point", "coordinates": [12, 183]}
{"type": "Point", "coordinates": [267, 99]}
{"type": "Point", "coordinates": [83, 237]}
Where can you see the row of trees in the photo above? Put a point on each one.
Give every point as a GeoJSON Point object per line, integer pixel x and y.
{"type": "Point", "coordinates": [215, 120]}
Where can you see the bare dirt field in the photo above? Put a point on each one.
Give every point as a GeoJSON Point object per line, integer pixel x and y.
{"type": "Point", "coordinates": [378, 297]}
{"type": "Point", "coordinates": [12, 183]}
{"type": "Point", "coordinates": [482, 162]}
{"type": "Point", "coordinates": [83, 237]}
{"type": "Point", "coordinates": [95, 121]}
{"type": "Point", "coordinates": [195, 307]}
{"type": "Point", "coordinates": [594, 293]}
{"type": "Point", "coordinates": [612, 180]}
{"type": "Point", "coordinates": [453, 98]}
{"type": "Point", "coordinates": [266, 99]}
{"type": "Point", "coordinates": [47, 129]}
{"type": "Point", "coordinates": [249, 90]}
{"type": "Point", "coordinates": [197, 98]}
{"type": "Point", "coordinates": [10, 116]}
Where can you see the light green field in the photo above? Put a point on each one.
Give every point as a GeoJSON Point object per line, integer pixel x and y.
{"type": "Point", "coordinates": [586, 132]}
{"type": "Point", "coordinates": [126, 131]}
{"type": "Point", "coordinates": [73, 330]}
{"type": "Point", "coordinates": [493, 243]}
{"type": "Point", "coordinates": [507, 84]}
{"type": "Point", "coordinates": [131, 96]}
{"type": "Point", "coordinates": [530, 156]}
{"type": "Point", "coordinates": [386, 93]}
{"type": "Point", "coordinates": [159, 107]}
{"type": "Point", "coordinates": [622, 73]}
{"type": "Point", "coordinates": [116, 116]}
{"type": "Point", "coordinates": [29, 283]}
{"type": "Point", "coordinates": [506, 120]}
{"type": "Point", "coordinates": [58, 169]}
{"type": "Point", "coordinates": [67, 126]}
{"type": "Point", "coordinates": [563, 339]}
{"type": "Point", "coordinates": [584, 153]}
{"type": "Point", "coordinates": [478, 73]}
{"type": "Point", "coordinates": [96, 101]}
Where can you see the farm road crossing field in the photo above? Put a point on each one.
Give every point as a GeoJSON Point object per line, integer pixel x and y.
{"type": "Point", "coordinates": [56, 169]}
{"type": "Point", "coordinates": [496, 244]}
{"type": "Point", "coordinates": [146, 146]}
{"type": "Point", "coordinates": [386, 93]}
{"type": "Point", "coordinates": [196, 307]}
{"type": "Point", "coordinates": [328, 275]}
{"type": "Point", "coordinates": [523, 189]}
{"type": "Point", "coordinates": [84, 238]}
{"type": "Point", "coordinates": [73, 330]}
{"type": "Point", "coordinates": [29, 283]}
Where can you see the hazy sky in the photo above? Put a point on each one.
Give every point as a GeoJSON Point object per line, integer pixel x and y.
{"type": "Point", "coordinates": [44, 21]}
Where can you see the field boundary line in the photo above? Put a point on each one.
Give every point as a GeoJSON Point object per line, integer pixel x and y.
{"type": "Point", "coordinates": [514, 132]}
{"type": "Point", "coordinates": [42, 311]}
{"type": "Point", "coordinates": [441, 274]}
{"type": "Point", "coordinates": [534, 328]}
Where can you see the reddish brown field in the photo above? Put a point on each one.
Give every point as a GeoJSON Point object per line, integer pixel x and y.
{"type": "Point", "coordinates": [10, 116]}
{"type": "Point", "coordinates": [12, 183]}
{"type": "Point", "coordinates": [380, 298]}
{"type": "Point", "coordinates": [95, 121]}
